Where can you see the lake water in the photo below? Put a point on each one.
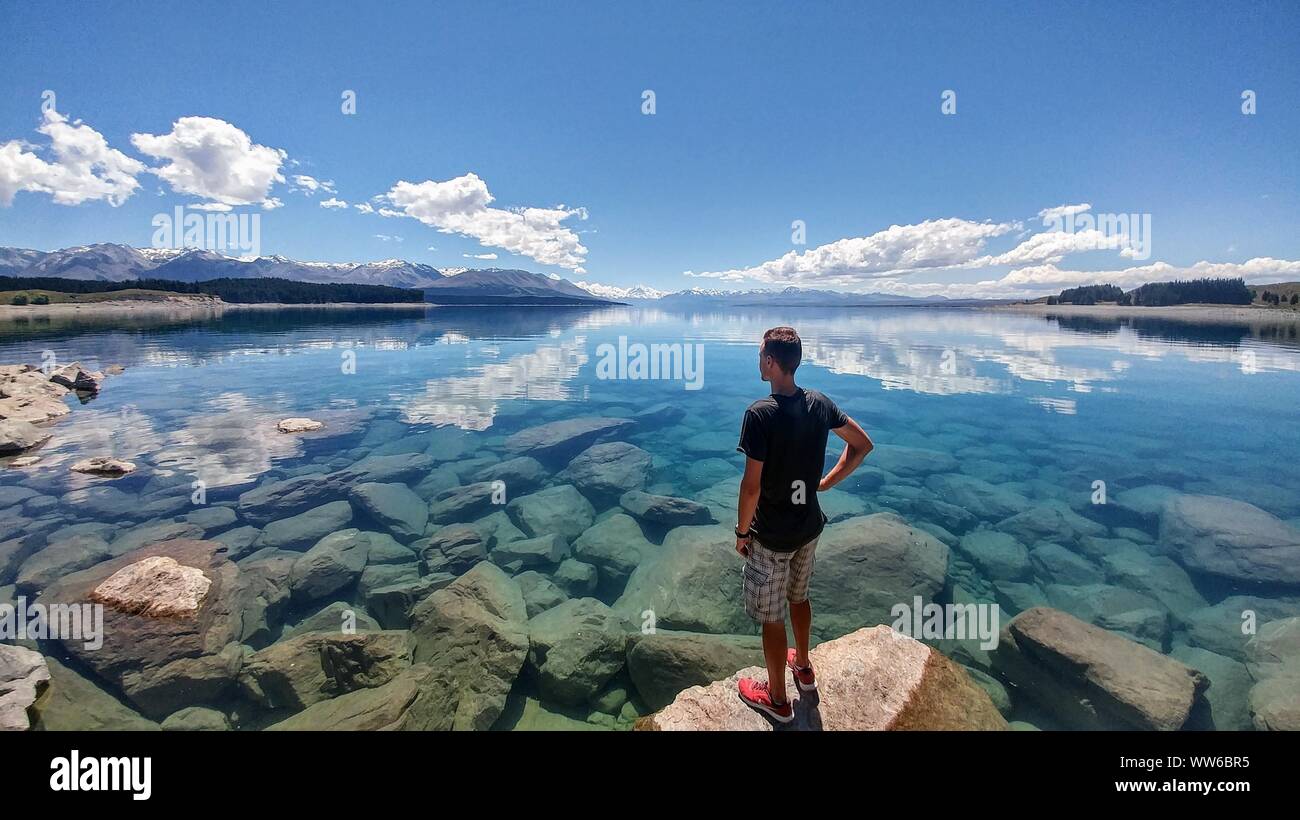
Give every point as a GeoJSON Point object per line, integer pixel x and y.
{"type": "Point", "coordinates": [978, 417]}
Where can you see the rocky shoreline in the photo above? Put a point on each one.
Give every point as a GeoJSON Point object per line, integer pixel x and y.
{"type": "Point", "coordinates": [1213, 314]}
{"type": "Point", "coordinates": [543, 579]}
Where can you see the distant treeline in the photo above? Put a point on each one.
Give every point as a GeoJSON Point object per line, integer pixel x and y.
{"type": "Point", "coordinates": [236, 291]}
{"type": "Point", "coordinates": [1178, 292]}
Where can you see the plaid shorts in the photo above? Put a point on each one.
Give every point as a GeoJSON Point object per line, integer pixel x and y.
{"type": "Point", "coordinates": [774, 580]}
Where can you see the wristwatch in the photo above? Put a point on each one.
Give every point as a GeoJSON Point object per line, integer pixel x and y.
{"type": "Point", "coordinates": [745, 534]}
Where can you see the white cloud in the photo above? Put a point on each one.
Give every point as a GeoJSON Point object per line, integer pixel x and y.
{"type": "Point", "coordinates": [933, 244]}
{"type": "Point", "coordinates": [333, 203]}
{"type": "Point", "coordinates": [310, 186]}
{"type": "Point", "coordinates": [84, 167]}
{"type": "Point", "coordinates": [212, 159]}
{"type": "Point", "coordinates": [1050, 215]}
{"type": "Point", "coordinates": [383, 237]}
{"type": "Point", "coordinates": [461, 206]}
{"type": "Point", "coordinates": [1040, 280]}
{"type": "Point", "coordinates": [364, 207]}
{"type": "Point", "coordinates": [489, 256]}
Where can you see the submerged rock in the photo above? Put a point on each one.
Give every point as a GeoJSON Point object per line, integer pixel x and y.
{"type": "Point", "coordinates": [473, 635]}
{"type": "Point", "coordinates": [73, 703]}
{"type": "Point", "coordinates": [559, 510]}
{"type": "Point", "coordinates": [664, 663]}
{"type": "Point", "coordinates": [1089, 678]}
{"type": "Point", "coordinates": [394, 506]}
{"type": "Point", "coordinates": [453, 549]}
{"type": "Point", "coordinates": [864, 567]}
{"type": "Point", "coordinates": [301, 531]}
{"type": "Point", "coordinates": [461, 503]}
{"type": "Point", "coordinates": [315, 666]}
{"type": "Point", "coordinates": [692, 583]}
{"type": "Point", "coordinates": [615, 546]}
{"type": "Point", "coordinates": [23, 675]}
{"type": "Point", "coordinates": [410, 702]}
{"type": "Point", "coordinates": [540, 593]}
{"type": "Point", "coordinates": [871, 679]}
{"type": "Point", "coordinates": [558, 438]}
{"type": "Point", "coordinates": [664, 509]}
{"type": "Point", "coordinates": [997, 554]}
{"type": "Point", "coordinates": [609, 470]}
{"type": "Point", "coordinates": [162, 663]}
{"type": "Point", "coordinates": [333, 563]}
{"type": "Point", "coordinates": [575, 648]}
{"type": "Point", "coordinates": [1230, 538]}
{"type": "Point", "coordinates": [530, 553]}
{"type": "Point", "coordinates": [196, 719]}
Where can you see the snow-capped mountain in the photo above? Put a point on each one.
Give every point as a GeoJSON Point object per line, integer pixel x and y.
{"type": "Point", "coordinates": [107, 262]}
{"type": "Point", "coordinates": [696, 298]}
{"type": "Point", "coordinates": [14, 260]}
{"type": "Point", "coordinates": [475, 286]}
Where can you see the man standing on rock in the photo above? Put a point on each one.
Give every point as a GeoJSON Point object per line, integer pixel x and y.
{"type": "Point", "coordinates": [778, 519]}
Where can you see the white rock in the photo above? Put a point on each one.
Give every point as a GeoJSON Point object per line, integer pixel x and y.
{"type": "Point", "coordinates": [298, 425]}
{"type": "Point", "coordinates": [155, 587]}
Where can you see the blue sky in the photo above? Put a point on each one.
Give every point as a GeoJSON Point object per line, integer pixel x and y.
{"type": "Point", "coordinates": [765, 114]}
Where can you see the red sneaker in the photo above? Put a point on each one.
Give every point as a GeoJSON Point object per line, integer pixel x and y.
{"type": "Point", "coordinates": [803, 678]}
{"type": "Point", "coordinates": [757, 695]}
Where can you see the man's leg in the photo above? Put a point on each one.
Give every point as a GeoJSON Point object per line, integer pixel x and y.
{"type": "Point", "coordinates": [801, 624]}
{"type": "Point", "coordinates": [775, 652]}
{"type": "Point", "coordinates": [801, 569]}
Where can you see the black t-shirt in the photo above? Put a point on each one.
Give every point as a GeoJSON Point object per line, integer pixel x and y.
{"type": "Point", "coordinates": [788, 434]}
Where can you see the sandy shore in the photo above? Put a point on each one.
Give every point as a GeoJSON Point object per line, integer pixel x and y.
{"type": "Point", "coordinates": [1229, 314]}
{"type": "Point", "coordinates": [177, 307]}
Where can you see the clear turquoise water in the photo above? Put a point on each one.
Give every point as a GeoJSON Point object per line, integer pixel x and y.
{"type": "Point", "coordinates": [1045, 406]}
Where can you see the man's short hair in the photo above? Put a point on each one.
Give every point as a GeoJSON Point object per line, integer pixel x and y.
{"type": "Point", "coordinates": [783, 345]}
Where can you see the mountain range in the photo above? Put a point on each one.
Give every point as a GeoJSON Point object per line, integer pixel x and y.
{"type": "Point", "coordinates": [452, 286]}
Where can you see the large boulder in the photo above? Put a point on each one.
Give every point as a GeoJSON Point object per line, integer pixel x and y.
{"type": "Point", "coordinates": [575, 648]}
{"type": "Point", "coordinates": [1090, 678]}
{"type": "Point", "coordinates": [609, 470]}
{"type": "Point", "coordinates": [332, 564]}
{"type": "Point", "coordinates": [17, 436]}
{"type": "Point", "coordinates": [540, 592]}
{"type": "Point", "coordinates": [1230, 538]}
{"type": "Point", "coordinates": [664, 663]}
{"type": "Point", "coordinates": [168, 656]}
{"type": "Point", "coordinates": [559, 510]}
{"type": "Point", "coordinates": [560, 438]}
{"type": "Point", "coordinates": [298, 532]}
{"type": "Point", "coordinates": [867, 565]}
{"type": "Point", "coordinates": [473, 635]}
{"type": "Point", "coordinates": [23, 675]}
{"type": "Point", "coordinates": [395, 506]}
{"type": "Point", "coordinates": [871, 679]}
{"type": "Point", "coordinates": [692, 583]}
{"type": "Point", "coordinates": [400, 468]}
{"type": "Point", "coordinates": [315, 666]}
